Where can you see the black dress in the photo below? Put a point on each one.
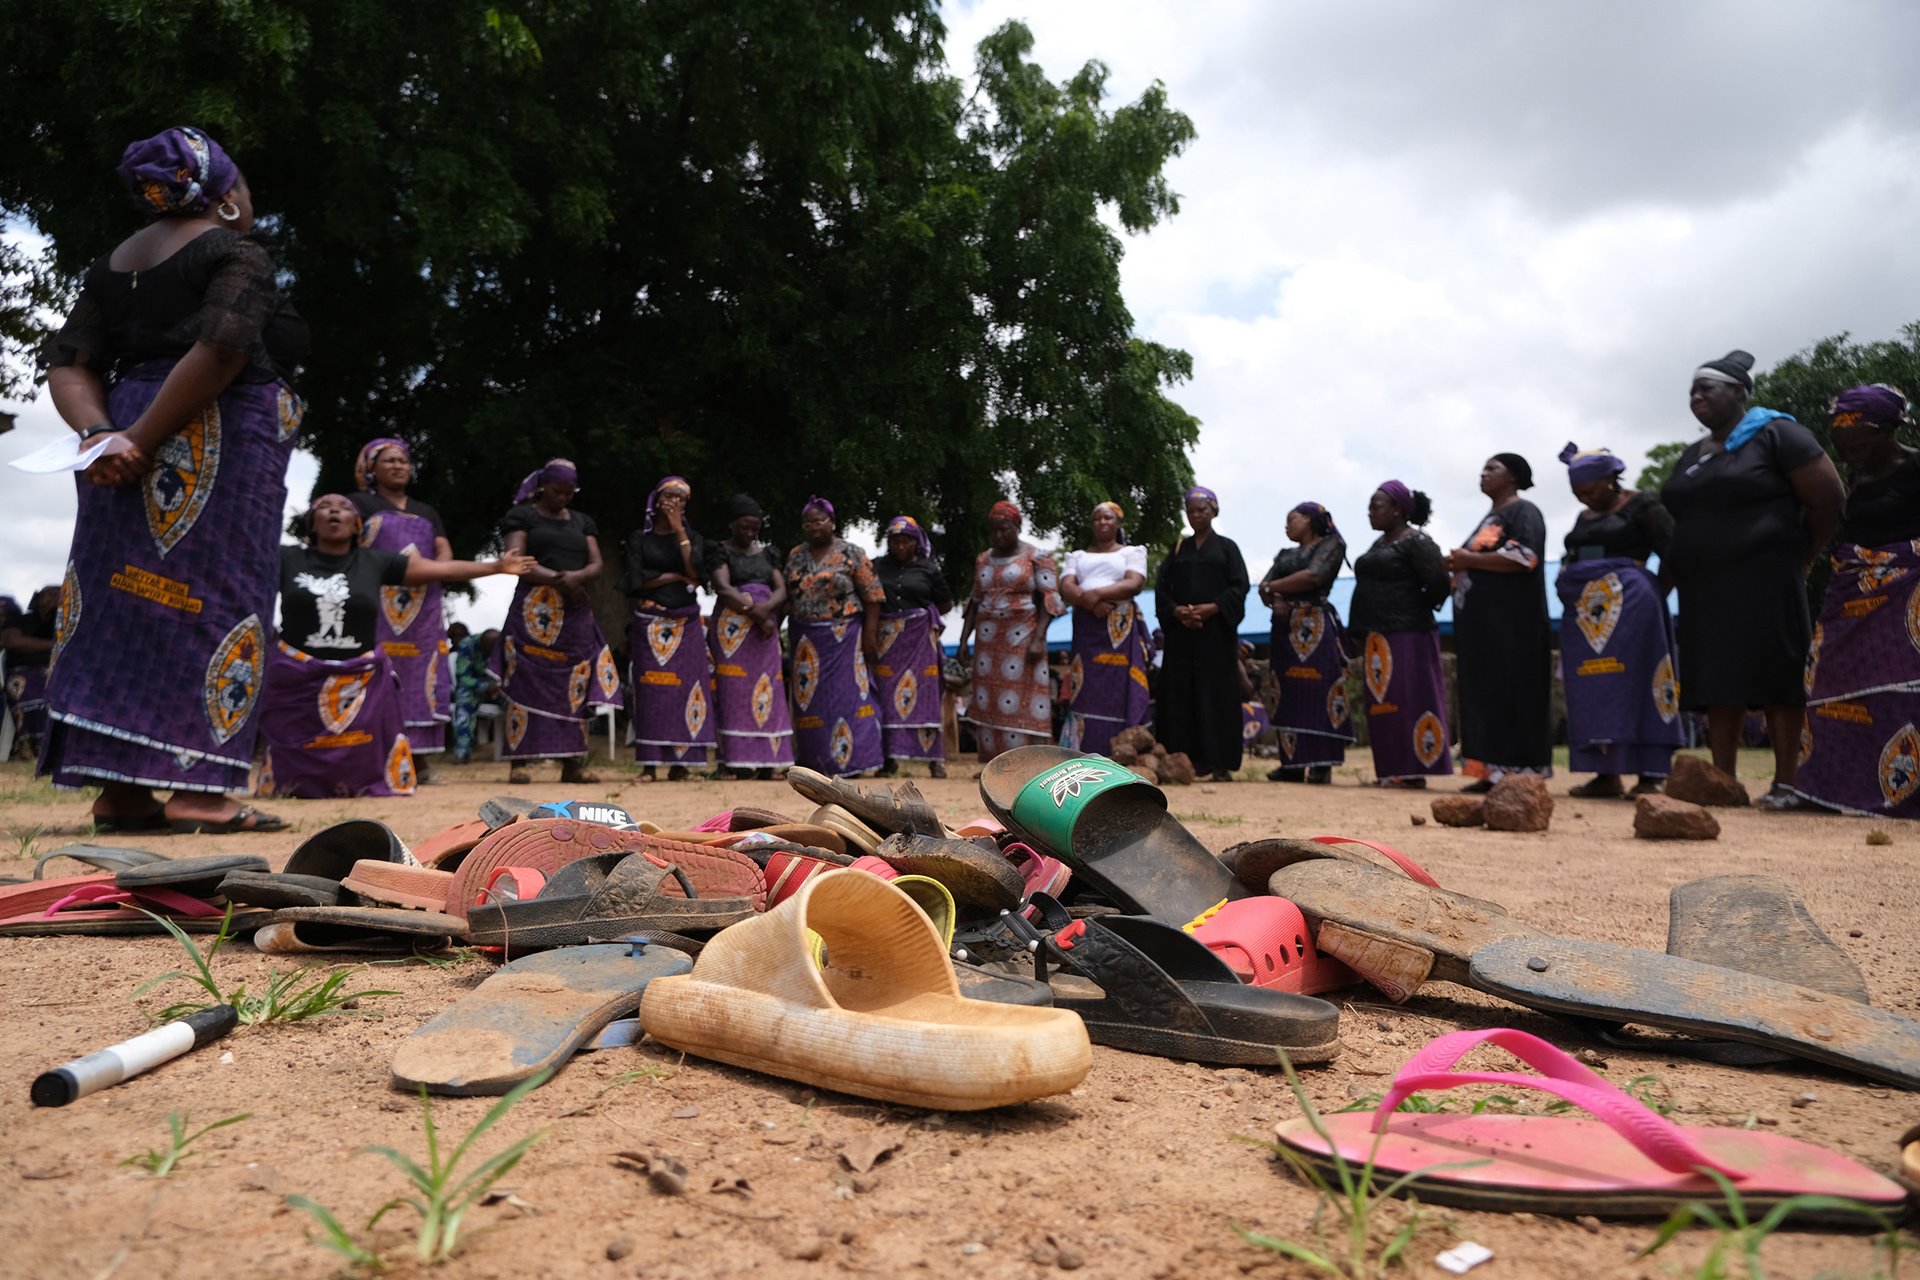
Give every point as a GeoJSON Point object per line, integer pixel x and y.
{"type": "Point", "coordinates": [1397, 585]}
{"type": "Point", "coordinates": [1884, 511]}
{"type": "Point", "coordinates": [917, 584]}
{"type": "Point", "coordinates": [1197, 701]}
{"type": "Point", "coordinates": [1639, 530]}
{"type": "Point", "coordinates": [561, 544]}
{"type": "Point", "coordinates": [649, 555]}
{"type": "Point", "coordinates": [1739, 555]}
{"type": "Point", "coordinates": [743, 567]}
{"type": "Point", "coordinates": [1504, 646]}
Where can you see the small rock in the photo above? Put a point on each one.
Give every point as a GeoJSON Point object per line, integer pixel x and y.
{"type": "Point", "coordinates": [619, 1248]}
{"type": "Point", "coordinates": [1043, 1254]}
{"type": "Point", "coordinates": [1069, 1259]}
{"type": "Point", "coordinates": [1769, 1121]}
{"type": "Point", "coordinates": [226, 1059]}
{"type": "Point", "coordinates": [1176, 770]}
{"type": "Point", "coordinates": [1416, 820]}
{"type": "Point", "coordinates": [972, 1247]}
{"type": "Point", "coordinates": [1123, 753]}
{"type": "Point", "coordinates": [1519, 802]}
{"type": "Point", "coordinates": [1459, 810]}
{"type": "Point", "coordinates": [1591, 1057]}
{"type": "Point", "coordinates": [1589, 1223]}
{"type": "Point", "coordinates": [1696, 780]}
{"type": "Point", "coordinates": [685, 1113]}
{"type": "Point", "coordinates": [1144, 772]}
{"type": "Point", "coordinates": [1135, 738]}
{"type": "Point", "coordinates": [1664, 818]}
{"type": "Point", "coordinates": [808, 1250]}
{"type": "Point", "coordinates": [1123, 1097]}
{"type": "Point", "coordinates": [1855, 933]}
{"type": "Point", "coordinates": [1208, 790]}
{"type": "Point", "coordinates": [1381, 1024]}
{"type": "Point", "coordinates": [1806, 1098]}
{"type": "Point", "coordinates": [1160, 748]}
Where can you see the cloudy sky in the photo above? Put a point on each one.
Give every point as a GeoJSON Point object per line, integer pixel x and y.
{"type": "Point", "coordinates": [1415, 234]}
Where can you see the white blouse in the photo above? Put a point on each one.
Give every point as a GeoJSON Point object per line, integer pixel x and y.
{"type": "Point", "coordinates": [1104, 568]}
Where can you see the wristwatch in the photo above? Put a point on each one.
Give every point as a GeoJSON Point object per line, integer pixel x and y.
{"type": "Point", "coordinates": [97, 429]}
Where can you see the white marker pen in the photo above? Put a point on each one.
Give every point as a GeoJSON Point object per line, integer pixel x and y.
{"type": "Point", "coordinates": [123, 1061]}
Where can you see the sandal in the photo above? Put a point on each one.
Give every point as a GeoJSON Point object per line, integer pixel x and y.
{"type": "Point", "coordinates": [245, 819]}
{"type": "Point", "coordinates": [1399, 784]}
{"type": "Point", "coordinates": [1628, 1161]}
{"type": "Point", "coordinates": [519, 777]}
{"type": "Point", "coordinates": [1598, 790]}
{"type": "Point", "coordinates": [1266, 942]}
{"type": "Point", "coordinates": [896, 808]}
{"type": "Point", "coordinates": [1158, 990]}
{"type": "Point", "coordinates": [603, 896]}
{"type": "Point", "coordinates": [110, 824]}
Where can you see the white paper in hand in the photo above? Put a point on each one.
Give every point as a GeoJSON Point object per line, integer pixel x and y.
{"type": "Point", "coordinates": [66, 454]}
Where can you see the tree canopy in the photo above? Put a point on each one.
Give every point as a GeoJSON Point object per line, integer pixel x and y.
{"type": "Point", "coordinates": [773, 248]}
{"type": "Point", "coordinates": [1805, 382]}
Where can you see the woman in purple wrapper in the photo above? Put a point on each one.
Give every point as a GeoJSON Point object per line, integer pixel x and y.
{"type": "Point", "coordinates": [673, 720]}
{"type": "Point", "coordinates": [907, 666]}
{"type": "Point", "coordinates": [1309, 650]}
{"type": "Point", "coordinates": [749, 679]}
{"type": "Point", "coordinates": [1861, 751]}
{"type": "Point", "coordinates": [1398, 584]}
{"type": "Point", "coordinates": [332, 717]}
{"type": "Point", "coordinates": [1616, 637]}
{"type": "Point", "coordinates": [1106, 683]}
{"type": "Point", "coordinates": [412, 626]}
{"type": "Point", "coordinates": [177, 351]}
{"type": "Point", "coordinates": [554, 668]}
{"type": "Point", "coordinates": [833, 615]}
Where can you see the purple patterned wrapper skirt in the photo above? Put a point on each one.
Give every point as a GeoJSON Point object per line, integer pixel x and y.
{"type": "Point", "coordinates": [412, 632]}
{"type": "Point", "coordinates": [750, 689]}
{"type": "Point", "coordinates": [555, 671]}
{"type": "Point", "coordinates": [332, 727]}
{"type": "Point", "coordinates": [1106, 685]}
{"type": "Point", "coordinates": [1616, 659]}
{"type": "Point", "coordinates": [673, 718]}
{"type": "Point", "coordinates": [910, 692]}
{"type": "Point", "coordinates": [161, 652]}
{"type": "Point", "coordinates": [836, 722]}
{"type": "Point", "coordinates": [1407, 705]}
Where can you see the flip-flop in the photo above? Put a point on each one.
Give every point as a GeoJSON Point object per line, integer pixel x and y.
{"type": "Point", "coordinates": [786, 871]}
{"type": "Point", "coordinates": [332, 851]}
{"type": "Point", "coordinates": [603, 896]}
{"type": "Point", "coordinates": [1255, 862]}
{"type": "Point", "coordinates": [610, 815]}
{"type": "Point", "coordinates": [883, 1019]}
{"type": "Point", "coordinates": [1159, 990]}
{"type": "Point", "coordinates": [197, 876]}
{"type": "Point", "coordinates": [1039, 872]}
{"type": "Point", "coordinates": [105, 857]}
{"type": "Point", "coordinates": [1111, 826]}
{"type": "Point", "coordinates": [500, 811]}
{"type": "Point", "coordinates": [811, 834]}
{"type": "Point", "coordinates": [394, 884]}
{"type": "Point", "coordinates": [93, 904]}
{"type": "Point", "coordinates": [308, 930]}
{"type": "Point", "coordinates": [529, 1015]}
{"type": "Point", "coordinates": [1621, 984]}
{"type": "Point", "coordinates": [856, 836]}
{"type": "Point", "coordinates": [714, 870]}
{"type": "Point", "coordinates": [1266, 942]}
{"type": "Point", "coordinates": [1627, 1162]}
{"type": "Point", "coordinates": [275, 890]}
{"type": "Point", "coordinates": [889, 809]}
{"type": "Point", "coordinates": [543, 844]}
{"type": "Point", "coordinates": [979, 876]}
{"type": "Point", "coordinates": [247, 820]}
{"type": "Point", "coordinates": [445, 848]}
{"type": "Point", "coordinates": [746, 817]}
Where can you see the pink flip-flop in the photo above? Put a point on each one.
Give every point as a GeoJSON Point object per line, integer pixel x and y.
{"type": "Point", "coordinates": [1628, 1161]}
{"type": "Point", "coordinates": [1266, 942]}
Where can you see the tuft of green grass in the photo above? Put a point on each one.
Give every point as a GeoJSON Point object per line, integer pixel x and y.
{"type": "Point", "coordinates": [293, 996]}
{"type": "Point", "coordinates": [1366, 1242]}
{"type": "Point", "coordinates": [1739, 1236]}
{"type": "Point", "coordinates": [26, 837]}
{"type": "Point", "coordinates": [440, 1194]}
{"type": "Point", "coordinates": [160, 1163]}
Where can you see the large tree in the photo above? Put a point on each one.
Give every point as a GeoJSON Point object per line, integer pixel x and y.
{"type": "Point", "coordinates": [770, 246]}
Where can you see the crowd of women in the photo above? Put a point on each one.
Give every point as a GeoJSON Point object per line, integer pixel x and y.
{"type": "Point", "coordinates": [181, 347]}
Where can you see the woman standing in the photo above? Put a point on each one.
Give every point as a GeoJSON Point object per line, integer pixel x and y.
{"type": "Point", "coordinates": [1106, 686]}
{"type": "Point", "coordinates": [750, 686]}
{"type": "Point", "coordinates": [412, 628]}
{"type": "Point", "coordinates": [1398, 584]}
{"type": "Point", "coordinates": [835, 611]}
{"type": "Point", "coordinates": [672, 676]}
{"type": "Point", "coordinates": [1500, 630]}
{"type": "Point", "coordinates": [473, 685]}
{"type": "Point", "coordinates": [909, 651]}
{"type": "Point", "coordinates": [1016, 590]}
{"type": "Point", "coordinates": [178, 349]}
{"type": "Point", "coordinates": [1752, 504]}
{"type": "Point", "coordinates": [332, 718]}
{"type": "Point", "coordinates": [1309, 649]}
{"type": "Point", "coordinates": [1200, 597]}
{"type": "Point", "coordinates": [27, 640]}
{"type": "Point", "coordinates": [553, 665]}
{"type": "Point", "coordinates": [1861, 753]}
{"type": "Point", "coordinates": [1616, 638]}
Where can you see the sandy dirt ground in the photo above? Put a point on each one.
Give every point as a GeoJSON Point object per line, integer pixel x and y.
{"type": "Point", "coordinates": [1145, 1170]}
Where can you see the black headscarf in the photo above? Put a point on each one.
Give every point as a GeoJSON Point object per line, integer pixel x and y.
{"type": "Point", "coordinates": [742, 505]}
{"type": "Point", "coordinates": [1518, 467]}
{"type": "Point", "coordinates": [1735, 367]}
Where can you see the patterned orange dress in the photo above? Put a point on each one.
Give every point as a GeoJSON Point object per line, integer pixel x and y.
{"type": "Point", "coordinates": [1012, 704]}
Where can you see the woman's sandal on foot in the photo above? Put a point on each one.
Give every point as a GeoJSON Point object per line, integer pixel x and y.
{"type": "Point", "coordinates": [245, 819]}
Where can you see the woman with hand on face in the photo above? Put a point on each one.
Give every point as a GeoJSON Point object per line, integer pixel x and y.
{"type": "Point", "coordinates": [412, 627]}
{"type": "Point", "coordinates": [1200, 597]}
{"type": "Point", "coordinates": [332, 717]}
{"type": "Point", "coordinates": [673, 717]}
{"type": "Point", "coordinates": [1753, 503]}
{"type": "Point", "coordinates": [750, 685]}
{"type": "Point", "coordinates": [1309, 649]}
{"type": "Point", "coordinates": [176, 356]}
{"type": "Point", "coordinates": [908, 665]}
{"type": "Point", "coordinates": [834, 606]}
{"type": "Point", "coordinates": [1862, 752]}
{"type": "Point", "coordinates": [1616, 637]}
{"type": "Point", "coordinates": [1106, 685]}
{"type": "Point", "coordinates": [555, 670]}
{"type": "Point", "coordinates": [1016, 592]}
{"type": "Point", "coordinates": [1500, 630]}
{"type": "Point", "coordinates": [1399, 582]}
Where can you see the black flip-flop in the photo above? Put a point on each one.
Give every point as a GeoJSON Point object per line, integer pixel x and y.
{"type": "Point", "coordinates": [200, 877]}
{"type": "Point", "coordinates": [1112, 827]}
{"type": "Point", "coordinates": [302, 930]}
{"type": "Point", "coordinates": [266, 889]}
{"type": "Point", "coordinates": [246, 821]}
{"type": "Point", "coordinates": [609, 893]}
{"type": "Point", "coordinates": [501, 810]}
{"type": "Point", "coordinates": [331, 853]}
{"type": "Point", "coordinates": [1158, 990]}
